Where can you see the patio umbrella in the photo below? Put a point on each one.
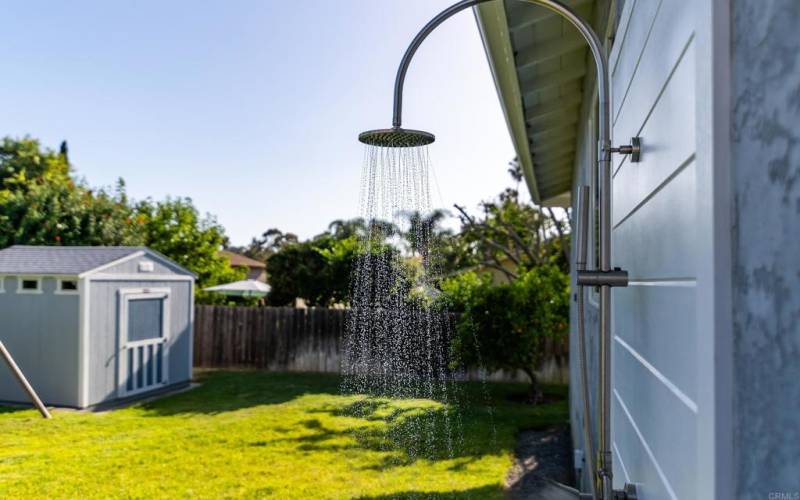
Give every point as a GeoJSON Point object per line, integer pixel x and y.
{"type": "Point", "coordinates": [244, 288]}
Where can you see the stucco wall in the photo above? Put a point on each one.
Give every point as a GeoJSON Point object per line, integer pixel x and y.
{"type": "Point", "coordinates": [766, 245]}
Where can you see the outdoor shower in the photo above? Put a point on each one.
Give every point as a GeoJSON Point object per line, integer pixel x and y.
{"type": "Point", "coordinates": [605, 277]}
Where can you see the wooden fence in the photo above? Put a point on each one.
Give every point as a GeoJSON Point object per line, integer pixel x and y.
{"type": "Point", "coordinates": [290, 339]}
{"type": "Point", "coordinates": [273, 338]}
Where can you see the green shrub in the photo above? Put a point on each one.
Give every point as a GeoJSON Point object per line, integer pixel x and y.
{"type": "Point", "coordinates": [504, 326]}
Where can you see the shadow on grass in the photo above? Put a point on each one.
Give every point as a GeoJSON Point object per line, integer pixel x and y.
{"type": "Point", "coordinates": [427, 431]}
{"type": "Point", "coordinates": [15, 409]}
{"type": "Point", "coordinates": [481, 492]}
{"type": "Point", "coordinates": [484, 422]}
{"type": "Point", "coordinates": [409, 435]}
{"type": "Point", "coordinates": [224, 391]}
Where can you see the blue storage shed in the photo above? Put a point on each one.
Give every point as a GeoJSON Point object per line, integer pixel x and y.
{"type": "Point", "coordinates": [91, 325]}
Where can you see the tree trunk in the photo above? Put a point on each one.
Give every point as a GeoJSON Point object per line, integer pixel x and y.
{"type": "Point", "coordinates": [535, 395]}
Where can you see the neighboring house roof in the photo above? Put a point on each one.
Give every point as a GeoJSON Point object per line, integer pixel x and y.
{"type": "Point", "coordinates": [23, 259]}
{"type": "Point", "coordinates": [539, 63]}
{"type": "Point", "coordinates": [239, 260]}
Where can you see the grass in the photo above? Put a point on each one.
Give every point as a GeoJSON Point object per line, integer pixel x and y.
{"type": "Point", "coordinates": [257, 434]}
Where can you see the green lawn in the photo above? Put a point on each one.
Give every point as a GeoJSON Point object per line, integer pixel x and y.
{"type": "Point", "coordinates": [256, 434]}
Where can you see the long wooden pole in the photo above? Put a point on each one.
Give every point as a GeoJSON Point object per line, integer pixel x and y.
{"type": "Point", "coordinates": [24, 382]}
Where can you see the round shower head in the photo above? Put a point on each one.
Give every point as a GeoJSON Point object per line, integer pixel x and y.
{"type": "Point", "coordinates": [396, 138]}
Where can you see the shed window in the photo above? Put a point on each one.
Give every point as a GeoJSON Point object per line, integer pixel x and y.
{"type": "Point", "coordinates": [145, 319]}
{"type": "Point", "coordinates": [29, 285]}
{"type": "Point", "coordinates": [68, 286]}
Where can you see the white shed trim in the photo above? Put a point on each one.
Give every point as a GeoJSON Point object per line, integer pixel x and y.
{"type": "Point", "coordinates": [112, 263]}
{"type": "Point", "coordinates": [30, 277]}
{"type": "Point", "coordinates": [124, 296]}
{"type": "Point", "coordinates": [83, 342]}
{"type": "Point", "coordinates": [141, 253]}
{"type": "Point", "coordinates": [60, 291]}
{"type": "Point", "coordinates": [714, 286]}
{"type": "Point", "coordinates": [191, 329]}
{"type": "Point", "coordinates": [169, 262]}
{"type": "Point", "coordinates": [140, 277]}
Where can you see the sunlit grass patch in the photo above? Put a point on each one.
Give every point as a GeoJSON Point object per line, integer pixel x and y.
{"type": "Point", "coordinates": [256, 434]}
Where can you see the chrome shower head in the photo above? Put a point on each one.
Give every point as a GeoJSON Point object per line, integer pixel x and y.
{"type": "Point", "coordinates": [396, 138]}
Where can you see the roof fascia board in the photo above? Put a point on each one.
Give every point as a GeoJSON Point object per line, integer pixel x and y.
{"type": "Point", "coordinates": [168, 262]}
{"type": "Point", "coordinates": [141, 277]}
{"type": "Point", "coordinates": [140, 253]}
{"type": "Point", "coordinates": [128, 257]}
{"type": "Point", "coordinates": [41, 275]}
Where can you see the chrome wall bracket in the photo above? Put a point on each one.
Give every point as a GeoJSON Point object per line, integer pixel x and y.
{"type": "Point", "coordinates": [628, 493]}
{"type": "Point", "coordinates": [634, 149]}
{"type": "Point", "coordinates": [615, 277]}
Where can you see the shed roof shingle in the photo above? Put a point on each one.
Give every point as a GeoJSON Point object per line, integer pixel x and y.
{"type": "Point", "coordinates": [22, 259]}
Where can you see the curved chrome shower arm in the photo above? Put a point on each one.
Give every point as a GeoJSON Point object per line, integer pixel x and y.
{"type": "Point", "coordinates": [399, 81]}
{"type": "Point", "coordinates": [566, 12]}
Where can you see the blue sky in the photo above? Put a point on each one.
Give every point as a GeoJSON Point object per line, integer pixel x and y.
{"type": "Point", "coordinates": [249, 107]}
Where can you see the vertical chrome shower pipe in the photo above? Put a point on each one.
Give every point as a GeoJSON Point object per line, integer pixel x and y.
{"type": "Point", "coordinates": [604, 175]}
{"type": "Point", "coordinates": [604, 167]}
{"type": "Point", "coordinates": [581, 247]}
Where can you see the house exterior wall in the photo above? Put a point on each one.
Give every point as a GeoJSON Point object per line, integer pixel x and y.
{"type": "Point", "coordinates": [257, 273]}
{"type": "Point", "coordinates": [765, 43]}
{"type": "Point", "coordinates": [655, 356]}
{"type": "Point", "coordinates": [103, 332]}
{"type": "Point", "coordinates": [44, 345]}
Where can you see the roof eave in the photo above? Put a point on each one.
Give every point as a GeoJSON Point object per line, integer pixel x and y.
{"type": "Point", "coordinates": [493, 28]}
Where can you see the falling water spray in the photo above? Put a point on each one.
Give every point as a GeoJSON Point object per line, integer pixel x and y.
{"type": "Point", "coordinates": [398, 336]}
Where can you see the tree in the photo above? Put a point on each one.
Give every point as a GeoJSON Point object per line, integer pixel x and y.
{"type": "Point", "coordinates": [510, 231]}
{"type": "Point", "coordinates": [175, 228]}
{"type": "Point", "coordinates": [505, 326]}
{"type": "Point", "coordinates": [50, 212]}
{"type": "Point", "coordinates": [320, 270]}
{"type": "Point", "coordinates": [454, 254]}
{"type": "Point", "coordinates": [270, 241]}
{"type": "Point", "coordinates": [442, 252]}
{"type": "Point", "coordinates": [345, 228]}
{"type": "Point", "coordinates": [25, 159]}
{"type": "Point", "coordinates": [424, 231]}
{"type": "Point", "coordinates": [40, 204]}
{"type": "Point", "coordinates": [341, 258]}
{"type": "Point", "coordinates": [296, 272]}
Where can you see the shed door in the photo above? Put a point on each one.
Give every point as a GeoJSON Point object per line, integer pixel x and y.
{"type": "Point", "coordinates": [143, 339]}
